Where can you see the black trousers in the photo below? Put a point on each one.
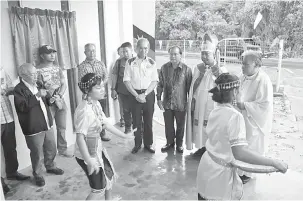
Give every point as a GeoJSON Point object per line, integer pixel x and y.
{"type": "Point", "coordinates": [8, 140]}
{"type": "Point", "coordinates": [145, 111]}
{"type": "Point", "coordinates": [170, 133]}
{"type": "Point", "coordinates": [127, 109]}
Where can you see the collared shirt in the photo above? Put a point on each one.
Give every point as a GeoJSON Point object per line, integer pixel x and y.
{"type": "Point", "coordinates": [175, 83]}
{"type": "Point", "coordinates": [50, 77]}
{"type": "Point", "coordinates": [6, 107]}
{"type": "Point", "coordinates": [34, 90]}
{"type": "Point", "coordinates": [140, 72]}
{"type": "Point", "coordinates": [95, 66]}
{"type": "Point", "coordinates": [118, 74]}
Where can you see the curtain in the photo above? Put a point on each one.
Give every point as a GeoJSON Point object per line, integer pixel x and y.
{"type": "Point", "coordinates": [32, 28]}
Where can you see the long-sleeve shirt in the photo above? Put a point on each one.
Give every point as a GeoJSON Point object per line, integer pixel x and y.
{"type": "Point", "coordinates": [175, 85]}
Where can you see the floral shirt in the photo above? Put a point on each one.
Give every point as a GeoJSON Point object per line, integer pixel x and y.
{"type": "Point", "coordinates": [175, 83]}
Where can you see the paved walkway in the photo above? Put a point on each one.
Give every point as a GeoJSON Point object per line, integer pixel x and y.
{"type": "Point", "coordinates": [145, 176]}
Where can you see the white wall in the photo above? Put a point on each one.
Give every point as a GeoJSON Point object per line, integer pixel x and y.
{"type": "Point", "coordinates": [144, 15]}
{"type": "Point", "coordinates": [8, 63]}
{"type": "Point", "coordinates": [87, 22]}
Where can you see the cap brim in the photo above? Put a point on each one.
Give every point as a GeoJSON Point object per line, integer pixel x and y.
{"type": "Point", "coordinates": [213, 90]}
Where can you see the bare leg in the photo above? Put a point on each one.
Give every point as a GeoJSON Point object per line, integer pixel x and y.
{"type": "Point", "coordinates": [94, 196]}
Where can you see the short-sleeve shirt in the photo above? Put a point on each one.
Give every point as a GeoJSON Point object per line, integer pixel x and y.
{"type": "Point", "coordinates": [140, 72]}
{"type": "Point", "coordinates": [95, 66]}
{"type": "Point", "coordinates": [51, 77]}
{"type": "Point", "coordinates": [118, 71]}
{"type": "Point", "coordinates": [225, 129]}
{"type": "Point", "coordinates": [88, 120]}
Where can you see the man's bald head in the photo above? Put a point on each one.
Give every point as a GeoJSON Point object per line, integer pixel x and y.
{"type": "Point", "coordinates": [142, 48]}
{"type": "Point", "coordinates": [28, 73]}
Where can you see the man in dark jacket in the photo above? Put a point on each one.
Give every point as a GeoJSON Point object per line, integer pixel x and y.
{"type": "Point", "coordinates": [32, 107]}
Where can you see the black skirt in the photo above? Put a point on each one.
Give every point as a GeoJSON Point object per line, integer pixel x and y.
{"type": "Point", "coordinates": [98, 181]}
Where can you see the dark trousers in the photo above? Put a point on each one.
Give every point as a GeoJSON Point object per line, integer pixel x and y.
{"type": "Point", "coordinates": [103, 105]}
{"type": "Point", "coordinates": [42, 145]}
{"type": "Point", "coordinates": [170, 133]}
{"type": "Point", "coordinates": [145, 110]}
{"type": "Point", "coordinates": [127, 109]}
{"type": "Point", "coordinates": [8, 140]}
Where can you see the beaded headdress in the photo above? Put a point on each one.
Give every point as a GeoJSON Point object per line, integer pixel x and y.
{"type": "Point", "coordinates": [226, 82]}
{"type": "Point", "coordinates": [85, 85]}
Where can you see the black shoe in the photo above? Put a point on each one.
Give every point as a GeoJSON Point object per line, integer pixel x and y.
{"type": "Point", "coordinates": [6, 189]}
{"type": "Point", "coordinates": [199, 152]}
{"type": "Point", "coordinates": [56, 171]}
{"type": "Point", "coordinates": [150, 149]}
{"type": "Point", "coordinates": [167, 147]}
{"type": "Point", "coordinates": [245, 179]}
{"type": "Point", "coordinates": [18, 176]}
{"type": "Point", "coordinates": [4, 186]}
{"type": "Point", "coordinates": [136, 149]}
{"type": "Point", "coordinates": [179, 149]}
{"type": "Point", "coordinates": [39, 181]}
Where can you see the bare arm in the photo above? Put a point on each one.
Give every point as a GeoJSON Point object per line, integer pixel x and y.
{"type": "Point", "coordinates": [151, 87]}
{"type": "Point", "coordinates": [130, 88]}
{"type": "Point", "coordinates": [63, 84]}
{"type": "Point", "coordinates": [115, 131]}
{"type": "Point", "coordinates": [83, 147]}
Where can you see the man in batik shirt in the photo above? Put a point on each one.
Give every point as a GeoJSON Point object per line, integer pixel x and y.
{"type": "Point", "coordinates": [174, 80]}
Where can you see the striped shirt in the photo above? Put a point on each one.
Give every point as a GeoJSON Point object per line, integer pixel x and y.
{"type": "Point", "coordinates": [95, 66]}
{"type": "Point", "coordinates": [6, 107]}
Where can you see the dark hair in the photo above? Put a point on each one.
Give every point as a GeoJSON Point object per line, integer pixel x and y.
{"type": "Point", "coordinates": [119, 49]}
{"type": "Point", "coordinates": [95, 80]}
{"type": "Point", "coordinates": [223, 92]}
{"type": "Point", "coordinates": [223, 96]}
{"type": "Point", "coordinates": [175, 46]}
{"type": "Point", "coordinates": [127, 44]}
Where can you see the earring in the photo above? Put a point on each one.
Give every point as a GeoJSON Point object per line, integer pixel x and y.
{"type": "Point", "coordinates": [234, 102]}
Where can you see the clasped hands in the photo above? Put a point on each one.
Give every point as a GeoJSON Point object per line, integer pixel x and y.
{"type": "Point", "coordinates": [141, 98]}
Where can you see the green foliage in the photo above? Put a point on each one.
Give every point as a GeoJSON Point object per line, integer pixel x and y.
{"type": "Point", "coordinates": [176, 20]}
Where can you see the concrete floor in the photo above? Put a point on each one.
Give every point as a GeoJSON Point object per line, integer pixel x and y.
{"type": "Point", "coordinates": [145, 176]}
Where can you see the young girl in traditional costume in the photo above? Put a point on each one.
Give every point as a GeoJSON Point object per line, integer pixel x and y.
{"type": "Point", "coordinates": [89, 151]}
{"type": "Point", "coordinates": [217, 177]}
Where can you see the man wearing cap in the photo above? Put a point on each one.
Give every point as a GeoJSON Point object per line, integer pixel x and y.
{"type": "Point", "coordinates": [141, 78]}
{"type": "Point", "coordinates": [255, 101]}
{"type": "Point", "coordinates": [92, 65]}
{"type": "Point", "coordinates": [174, 82]}
{"type": "Point", "coordinates": [51, 78]}
{"type": "Point", "coordinates": [200, 102]}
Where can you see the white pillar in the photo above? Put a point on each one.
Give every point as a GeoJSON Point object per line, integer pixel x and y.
{"type": "Point", "coordinates": [279, 64]}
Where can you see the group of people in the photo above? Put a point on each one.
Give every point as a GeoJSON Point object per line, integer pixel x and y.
{"type": "Point", "coordinates": [226, 117]}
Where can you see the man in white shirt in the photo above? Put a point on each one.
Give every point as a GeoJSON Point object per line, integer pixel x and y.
{"type": "Point", "coordinates": [255, 101]}
{"type": "Point", "coordinates": [141, 78]}
{"type": "Point", "coordinates": [32, 107]}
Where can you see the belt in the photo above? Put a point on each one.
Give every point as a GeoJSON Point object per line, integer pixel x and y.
{"type": "Point", "coordinates": [141, 91]}
{"type": "Point", "coordinates": [219, 161]}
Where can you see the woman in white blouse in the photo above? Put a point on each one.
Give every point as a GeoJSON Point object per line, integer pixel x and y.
{"type": "Point", "coordinates": [89, 151]}
{"type": "Point", "coordinates": [217, 177]}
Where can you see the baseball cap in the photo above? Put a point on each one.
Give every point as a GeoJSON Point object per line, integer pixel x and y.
{"type": "Point", "coordinates": [46, 49]}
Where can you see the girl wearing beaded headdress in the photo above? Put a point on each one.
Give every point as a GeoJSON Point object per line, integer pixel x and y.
{"type": "Point", "coordinates": [217, 177]}
{"type": "Point", "coordinates": [89, 151]}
